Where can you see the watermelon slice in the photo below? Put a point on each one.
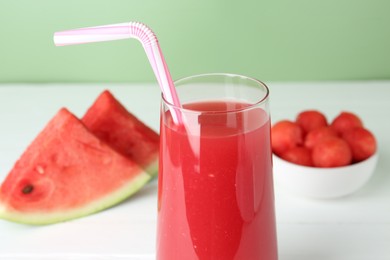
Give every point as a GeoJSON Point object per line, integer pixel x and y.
{"type": "Point", "coordinates": [65, 173]}
{"type": "Point", "coordinates": [111, 122]}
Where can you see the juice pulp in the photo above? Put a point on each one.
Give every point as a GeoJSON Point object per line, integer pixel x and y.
{"type": "Point", "coordinates": [215, 198]}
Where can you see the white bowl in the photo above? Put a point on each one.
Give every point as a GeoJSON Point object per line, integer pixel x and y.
{"type": "Point", "coordinates": [323, 183]}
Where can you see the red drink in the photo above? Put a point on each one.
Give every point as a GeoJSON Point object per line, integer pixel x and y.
{"type": "Point", "coordinates": [215, 184]}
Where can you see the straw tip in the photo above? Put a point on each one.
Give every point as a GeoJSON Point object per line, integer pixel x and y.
{"type": "Point", "coordinates": [56, 39]}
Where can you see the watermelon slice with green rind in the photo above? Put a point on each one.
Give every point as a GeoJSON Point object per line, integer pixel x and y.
{"type": "Point", "coordinates": [67, 172]}
{"type": "Point", "coordinates": [109, 120]}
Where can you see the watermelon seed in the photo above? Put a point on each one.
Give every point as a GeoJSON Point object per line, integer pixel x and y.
{"type": "Point", "coordinates": [40, 169]}
{"type": "Point", "coordinates": [28, 189]}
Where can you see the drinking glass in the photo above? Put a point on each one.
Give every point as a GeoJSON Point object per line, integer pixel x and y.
{"type": "Point", "coordinates": [215, 190]}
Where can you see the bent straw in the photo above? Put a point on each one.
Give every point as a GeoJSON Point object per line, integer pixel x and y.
{"type": "Point", "coordinates": [120, 31]}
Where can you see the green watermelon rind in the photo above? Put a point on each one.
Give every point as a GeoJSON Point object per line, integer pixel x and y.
{"type": "Point", "coordinates": [107, 201]}
{"type": "Point", "coordinates": [152, 168]}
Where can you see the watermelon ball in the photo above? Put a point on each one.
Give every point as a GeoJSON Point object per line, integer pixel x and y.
{"type": "Point", "coordinates": [298, 155]}
{"type": "Point", "coordinates": [345, 121]}
{"type": "Point", "coordinates": [285, 135]}
{"type": "Point", "coordinates": [362, 143]}
{"type": "Point", "coordinates": [332, 152]}
{"type": "Point", "coordinates": [316, 135]}
{"type": "Point", "coordinates": [310, 120]}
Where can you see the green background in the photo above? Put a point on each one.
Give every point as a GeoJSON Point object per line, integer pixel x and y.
{"type": "Point", "coordinates": [279, 40]}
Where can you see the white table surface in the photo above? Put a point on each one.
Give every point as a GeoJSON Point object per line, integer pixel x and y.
{"type": "Point", "coordinates": [356, 227]}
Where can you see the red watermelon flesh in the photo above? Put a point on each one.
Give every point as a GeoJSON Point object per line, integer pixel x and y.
{"type": "Point", "coordinates": [66, 173]}
{"type": "Point", "coordinates": [111, 122]}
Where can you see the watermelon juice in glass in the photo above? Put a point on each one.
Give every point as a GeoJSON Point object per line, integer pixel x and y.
{"type": "Point", "coordinates": [215, 199]}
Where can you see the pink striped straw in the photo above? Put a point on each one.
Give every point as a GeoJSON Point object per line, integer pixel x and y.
{"type": "Point", "coordinates": [120, 31]}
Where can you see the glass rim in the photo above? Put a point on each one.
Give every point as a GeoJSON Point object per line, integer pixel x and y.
{"type": "Point", "coordinates": [250, 106]}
